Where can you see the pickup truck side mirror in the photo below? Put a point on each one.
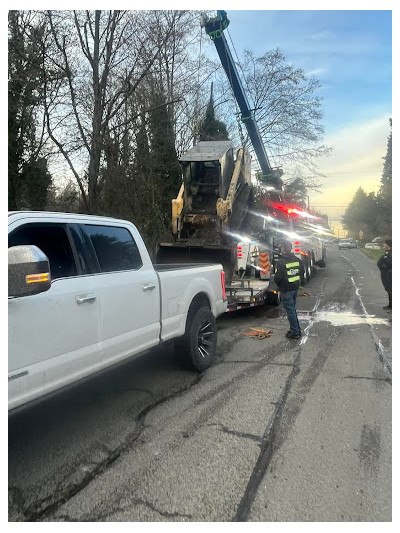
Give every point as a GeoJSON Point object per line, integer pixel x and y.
{"type": "Point", "coordinates": [28, 271]}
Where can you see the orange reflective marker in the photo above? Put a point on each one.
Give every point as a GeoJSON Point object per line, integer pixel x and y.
{"type": "Point", "coordinates": [37, 278]}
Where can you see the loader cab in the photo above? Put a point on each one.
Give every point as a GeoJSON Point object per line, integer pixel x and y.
{"type": "Point", "coordinates": [207, 171]}
{"type": "Point", "coordinates": [202, 185]}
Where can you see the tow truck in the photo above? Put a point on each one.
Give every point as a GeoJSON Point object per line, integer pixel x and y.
{"type": "Point", "coordinates": [212, 216]}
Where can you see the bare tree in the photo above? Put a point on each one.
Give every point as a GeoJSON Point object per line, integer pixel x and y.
{"type": "Point", "coordinates": [103, 56]}
{"type": "Point", "coordinates": [287, 109]}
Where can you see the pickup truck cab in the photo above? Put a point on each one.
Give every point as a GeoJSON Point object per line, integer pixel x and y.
{"type": "Point", "coordinates": [84, 295]}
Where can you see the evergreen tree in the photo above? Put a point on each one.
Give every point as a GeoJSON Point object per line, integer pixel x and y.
{"type": "Point", "coordinates": [384, 220]}
{"type": "Point", "coordinates": [28, 176]}
{"type": "Point", "coordinates": [212, 129]}
{"type": "Point", "coordinates": [141, 182]}
{"type": "Point", "coordinates": [361, 214]}
{"type": "Point", "coordinates": [164, 170]}
{"type": "Point", "coordinates": [296, 192]}
{"type": "Point", "coordinates": [37, 180]}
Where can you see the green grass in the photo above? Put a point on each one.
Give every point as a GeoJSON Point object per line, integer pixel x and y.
{"type": "Point", "coordinates": [373, 254]}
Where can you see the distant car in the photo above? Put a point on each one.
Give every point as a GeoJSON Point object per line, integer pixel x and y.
{"type": "Point", "coordinates": [373, 246]}
{"type": "Point", "coordinates": [347, 243]}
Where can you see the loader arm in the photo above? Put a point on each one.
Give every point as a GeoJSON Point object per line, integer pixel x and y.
{"type": "Point", "coordinates": [177, 208]}
{"type": "Point", "coordinates": [224, 207]}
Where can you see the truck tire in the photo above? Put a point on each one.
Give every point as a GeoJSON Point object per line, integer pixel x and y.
{"type": "Point", "coordinates": [308, 269]}
{"type": "Point", "coordinates": [304, 279]}
{"type": "Point", "coordinates": [313, 263]}
{"type": "Point", "coordinates": [198, 345]}
{"type": "Point", "coordinates": [273, 299]}
{"type": "Point", "coordinates": [322, 262]}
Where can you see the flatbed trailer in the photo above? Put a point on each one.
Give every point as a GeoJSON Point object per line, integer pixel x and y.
{"type": "Point", "coordinates": [246, 293]}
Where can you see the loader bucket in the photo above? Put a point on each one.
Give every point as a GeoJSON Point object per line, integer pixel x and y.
{"type": "Point", "coordinates": [184, 254]}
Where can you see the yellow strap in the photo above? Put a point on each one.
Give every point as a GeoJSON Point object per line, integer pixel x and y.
{"type": "Point", "coordinates": [296, 278]}
{"type": "Point", "coordinates": [289, 265]}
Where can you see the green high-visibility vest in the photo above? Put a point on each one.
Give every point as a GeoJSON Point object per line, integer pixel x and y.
{"type": "Point", "coordinates": [292, 271]}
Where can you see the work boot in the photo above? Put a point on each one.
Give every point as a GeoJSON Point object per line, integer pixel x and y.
{"type": "Point", "coordinates": [291, 335]}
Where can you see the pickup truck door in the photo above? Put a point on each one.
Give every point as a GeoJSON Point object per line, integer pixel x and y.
{"type": "Point", "coordinates": [54, 335]}
{"type": "Point", "coordinates": [129, 293]}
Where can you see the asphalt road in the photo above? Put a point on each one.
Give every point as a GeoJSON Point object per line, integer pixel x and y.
{"type": "Point", "coordinates": [277, 430]}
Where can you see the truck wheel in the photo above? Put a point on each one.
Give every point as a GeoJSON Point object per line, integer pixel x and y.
{"type": "Point", "coordinates": [200, 340]}
{"type": "Point", "coordinates": [313, 263]}
{"type": "Point", "coordinates": [308, 270]}
{"type": "Point", "coordinates": [273, 299]}
{"type": "Point", "coordinates": [304, 278]}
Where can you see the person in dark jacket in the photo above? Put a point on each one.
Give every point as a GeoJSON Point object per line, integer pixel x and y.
{"type": "Point", "coordinates": [385, 266]}
{"type": "Point", "coordinates": [288, 276]}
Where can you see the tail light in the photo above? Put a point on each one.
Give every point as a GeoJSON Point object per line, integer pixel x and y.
{"type": "Point", "coordinates": [223, 284]}
{"type": "Point", "coordinates": [297, 249]}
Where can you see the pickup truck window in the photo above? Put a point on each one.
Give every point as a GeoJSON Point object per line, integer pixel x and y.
{"type": "Point", "coordinates": [115, 248]}
{"type": "Point", "coordinates": [53, 240]}
{"type": "Point", "coordinates": [85, 253]}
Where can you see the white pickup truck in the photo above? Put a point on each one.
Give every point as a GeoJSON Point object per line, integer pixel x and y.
{"type": "Point", "coordinates": [84, 295]}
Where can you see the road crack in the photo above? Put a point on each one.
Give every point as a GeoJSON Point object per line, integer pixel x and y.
{"type": "Point", "coordinates": [387, 380]}
{"type": "Point", "coordinates": [239, 434]}
{"type": "Point", "coordinates": [50, 504]}
{"type": "Point", "coordinates": [269, 440]}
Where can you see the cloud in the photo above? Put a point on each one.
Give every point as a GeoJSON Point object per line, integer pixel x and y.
{"type": "Point", "coordinates": [356, 161]}
{"type": "Point", "coordinates": [317, 72]}
{"type": "Point", "coordinates": [322, 35]}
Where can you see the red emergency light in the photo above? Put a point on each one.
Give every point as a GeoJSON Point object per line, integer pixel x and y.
{"type": "Point", "coordinates": [288, 209]}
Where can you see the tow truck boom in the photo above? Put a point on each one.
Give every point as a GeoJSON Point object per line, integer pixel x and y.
{"type": "Point", "coordinates": [215, 27]}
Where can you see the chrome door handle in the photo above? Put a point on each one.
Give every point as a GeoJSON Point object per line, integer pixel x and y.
{"type": "Point", "coordinates": [85, 299]}
{"type": "Point", "coordinates": [148, 287]}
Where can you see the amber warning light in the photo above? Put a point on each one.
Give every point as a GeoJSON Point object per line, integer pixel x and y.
{"type": "Point", "coordinates": [37, 278]}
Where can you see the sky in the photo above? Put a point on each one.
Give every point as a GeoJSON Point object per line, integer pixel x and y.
{"type": "Point", "coordinates": [350, 53]}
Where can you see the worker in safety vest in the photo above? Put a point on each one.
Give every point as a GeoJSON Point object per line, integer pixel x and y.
{"type": "Point", "coordinates": [288, 276]}
{"type": "Point", "coordinates": [385, 266]}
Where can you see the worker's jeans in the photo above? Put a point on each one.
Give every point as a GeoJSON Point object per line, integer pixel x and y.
{"type": "Point", "coordinates": [289, 303]}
